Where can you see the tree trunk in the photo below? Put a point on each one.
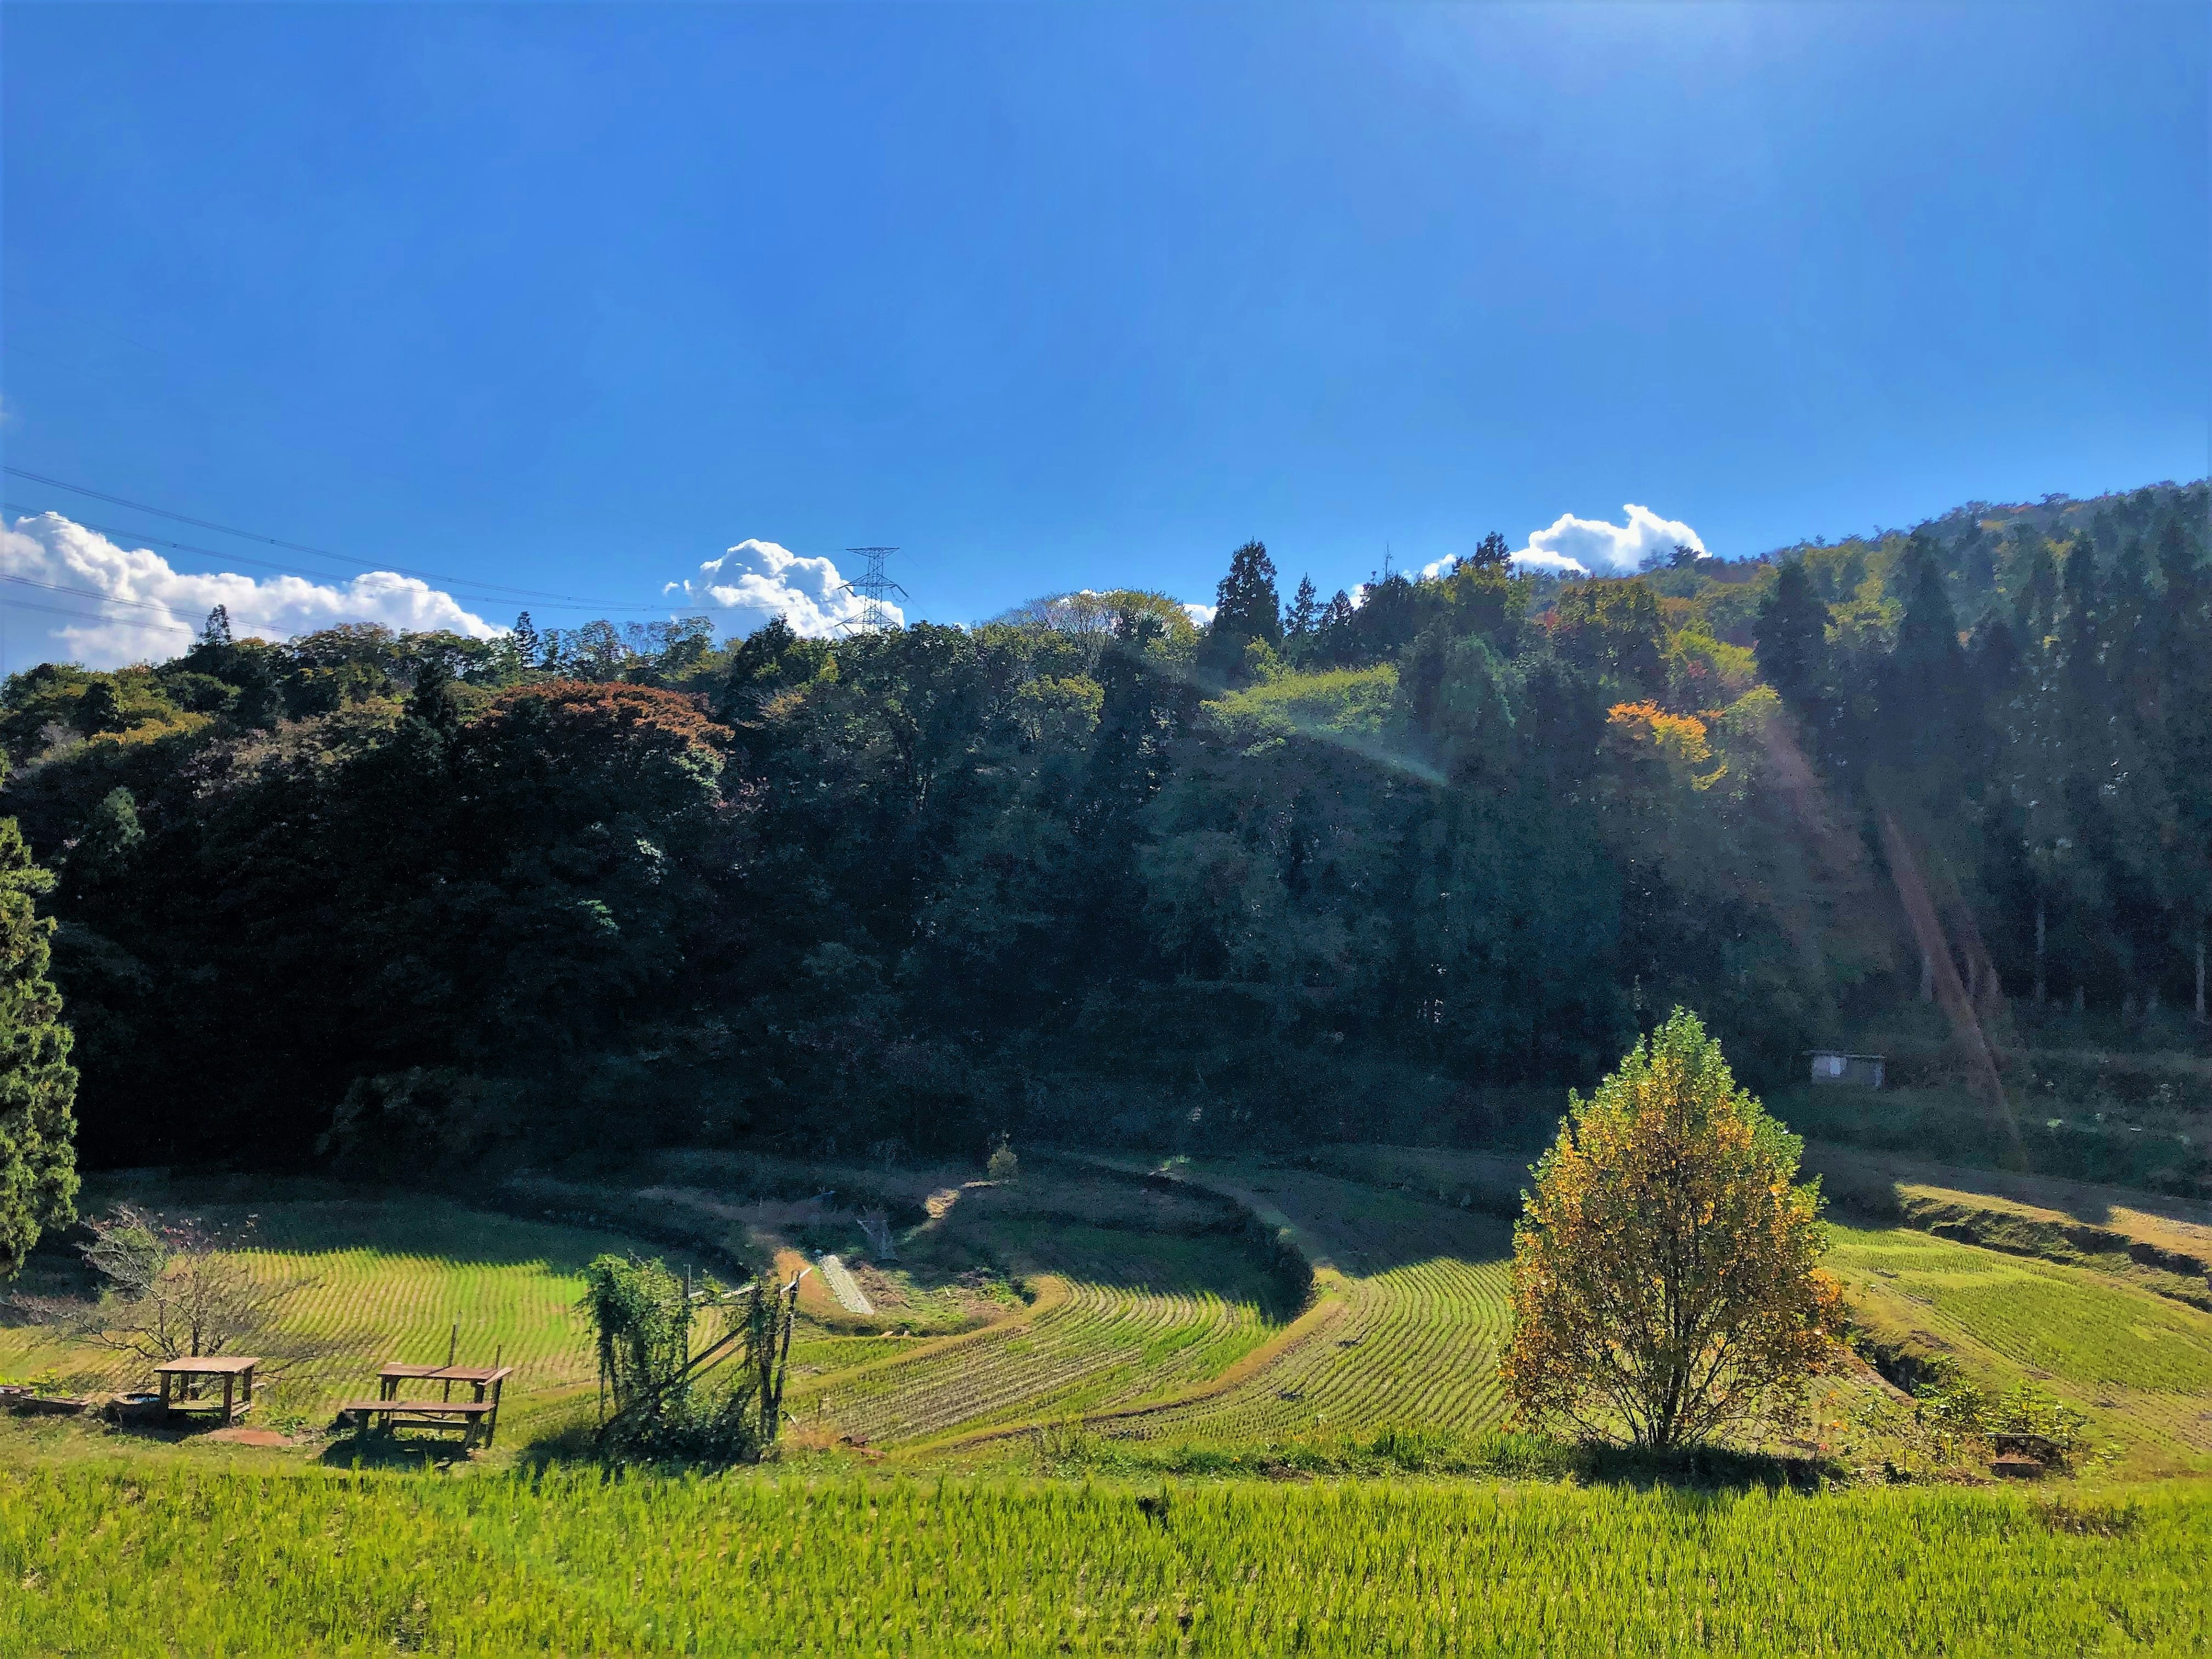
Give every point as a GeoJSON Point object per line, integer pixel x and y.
{"type": "Point", "coordinates": [2040, 982]}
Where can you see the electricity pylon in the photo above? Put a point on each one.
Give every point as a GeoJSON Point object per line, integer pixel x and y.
{"type": "Point", "coordinates": [873, 587]}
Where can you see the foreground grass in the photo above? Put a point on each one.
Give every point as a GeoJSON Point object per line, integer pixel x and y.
{"type": "Point", "coordinates": [170, 1559]}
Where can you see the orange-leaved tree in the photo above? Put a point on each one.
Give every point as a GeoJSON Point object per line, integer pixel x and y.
{"type": "Point", "coordinates": [1666, 1278]}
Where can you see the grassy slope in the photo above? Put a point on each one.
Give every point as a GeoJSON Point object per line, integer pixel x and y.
{"type": "Point", "coordinates": [1427, 1282]}
{"type": "Point", "coordinates": [384, 1279]}
{"type": "Point", "coordinates": [1171, 1335]}
{"type": "Point", "coordinates": [170, 1559]}
{"type": "Point", "coordinates": [2140, 1365]}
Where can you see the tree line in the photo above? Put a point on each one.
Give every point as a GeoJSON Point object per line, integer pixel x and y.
{"type": "Point", "coordinates": [1089, 869]}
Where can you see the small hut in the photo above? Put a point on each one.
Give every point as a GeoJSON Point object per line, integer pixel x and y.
{"type": "Point", "coordinates": [1860, 1071]}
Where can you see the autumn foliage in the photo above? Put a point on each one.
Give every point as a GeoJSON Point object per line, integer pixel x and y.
{"type": "Point", "coordinates": [1665, 1279]}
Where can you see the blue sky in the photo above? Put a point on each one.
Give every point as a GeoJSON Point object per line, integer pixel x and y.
{"type": "Point", "coordinates": [574, 298]}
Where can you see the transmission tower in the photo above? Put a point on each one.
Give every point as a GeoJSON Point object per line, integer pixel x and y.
{"type": "Point", "coordinates": [874, 587]}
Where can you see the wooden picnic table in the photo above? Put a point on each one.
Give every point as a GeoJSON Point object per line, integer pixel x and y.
{"type": "Point", "coordinates": [478, 1418]}
{"type": "Point", "coordinates": [236, 1371]}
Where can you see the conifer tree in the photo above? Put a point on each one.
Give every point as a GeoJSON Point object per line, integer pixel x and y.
{"type": "Point", "coordinates": [1791, 637]}
{"type": "Point", "coordinates": [38, 1084]}
{"type": "Point", "coordinates": [1245, 604]}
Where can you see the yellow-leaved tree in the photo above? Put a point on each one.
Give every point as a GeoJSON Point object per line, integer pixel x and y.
{"type": "Point", "coordinates": [1665, 1276]}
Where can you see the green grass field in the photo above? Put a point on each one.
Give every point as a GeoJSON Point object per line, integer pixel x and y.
{"type": "Point", "coordinates": [1165, 1337]}
{"type": "Point", "coordinates": [2140, 1365]}
{"type": "Point", "coordinates": [174, 1560]}
{"type": "Point", "coordinates": [1149, 1376]}
{"type": "Point", "coordinates": [379, 1279]}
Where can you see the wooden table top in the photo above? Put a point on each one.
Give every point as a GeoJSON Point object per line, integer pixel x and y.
{"type": "Point", "coordinates": [210, 1365]}
{"type": "Point", "coordinates": [447, 1373]}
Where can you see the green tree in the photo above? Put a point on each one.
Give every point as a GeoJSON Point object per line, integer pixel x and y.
{"type": "Point", "coordinates": [1245, 608]}
{"type": "Point", "coordinates": [1665, 1276]}
{"type": "Point", "coordinates": [38, 1084]}
{"type": "Point", "coordinates": [1791, 635]}
{"type": "Point", "coordinates": [102, 709]}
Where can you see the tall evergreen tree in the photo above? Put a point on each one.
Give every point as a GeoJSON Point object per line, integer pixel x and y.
{"type": "Point", "coordinates": [1791, 636]}
{"type": "Point", "coordinates": [1924, 701]}
{"type": "Point", "coordinates": [2185, 709]}
{"type": "Point", "coordinates": [1245, 605]}
{"type": "Point", "coordinates": [1303, 615]}
{"type": "Point", "coordinates": [38, 1084]}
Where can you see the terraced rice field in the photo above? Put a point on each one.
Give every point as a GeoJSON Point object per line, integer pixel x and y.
{"type": "Point", "coordinates": [1120, 1317]}
{"type": "Point", "coordinates": [1422, 1313]}
{"type": "Point", "coordinates": [2141, 1365]}
{"type": "Point", "coordinates": [387, 1281]}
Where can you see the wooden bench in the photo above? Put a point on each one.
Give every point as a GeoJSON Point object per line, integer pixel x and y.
{"type": "Point", "coordinates": [476, 1419]}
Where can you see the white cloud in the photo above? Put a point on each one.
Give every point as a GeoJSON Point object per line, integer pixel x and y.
{"type": "Point", "coordinates": [136, 609]}
{"type": "Point", "coordinates": [1597, 548]}
{"type": "Point", "coordinates": [1586, 547]}
{"type": "Point", "coordinates": [769, 581]}
{"type": "Point", "coordinates": [1201, 614]}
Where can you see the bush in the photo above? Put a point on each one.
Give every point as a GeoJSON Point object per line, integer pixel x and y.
{"type": "Point", "coordinates": [1004, 1166]}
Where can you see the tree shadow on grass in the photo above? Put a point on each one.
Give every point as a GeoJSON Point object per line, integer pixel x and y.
{"type": "Point", "coordinates": [410, 1453]}
{"type": "Point", "coordinates": [1703, 1468]}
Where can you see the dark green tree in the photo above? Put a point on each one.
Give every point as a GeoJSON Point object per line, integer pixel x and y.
{"type": "Point", "coordinates": [102, 709]}
{"type": "Point", "coordinates": [38, 1084]}
{"type": "Point", "coordinates": [1245, 608]}
{"type": "Point", "coordinates": [1791, 635]}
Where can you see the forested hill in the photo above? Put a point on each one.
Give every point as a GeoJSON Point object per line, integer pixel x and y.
{"type": "Point", "coordinates": [1088, 871]}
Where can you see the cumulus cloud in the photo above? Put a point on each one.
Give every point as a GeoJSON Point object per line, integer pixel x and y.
{"type": "Point", "coordinates": [1596, 548]}
{"type": "Point", "coordinates": [1201, 614]}
{"type": "Point", "coordinates": [769, 580]}
{"type": "Point", "coordinates": [1593, 547]}
{"type": "Point", "coordinates": [105, 605]}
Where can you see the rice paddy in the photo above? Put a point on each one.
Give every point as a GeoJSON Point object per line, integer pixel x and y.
{"type": "Point", "coordinates": [383, 1279]}
{"type": "Point", "coordinates": [168, 1559]}
{"type": "Point", "coordinates": [1161, 1343]}
{"type": "Point", "coordinates": [1166, 1337]}
{"type": "Point", "coordinates": [2139, 1363]}
{"type": "Point", "coordinates": [1121, 1317]}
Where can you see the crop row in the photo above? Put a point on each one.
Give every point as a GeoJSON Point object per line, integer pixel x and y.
{"type": "Point", "coordinates": [1416, 1344]}
{"type": "Point", "coordinates": [2112, 1347]}
{"type": "Point", "coordinates": [1102, 1343]}
{"type": "Point", "coordinates": [364, 1284]}
{"type": "Point", "coordinates": [101, 1561]}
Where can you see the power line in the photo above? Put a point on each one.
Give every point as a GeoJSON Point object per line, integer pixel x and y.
{"type": "Point", "coordinates": [295, 547]}
{"type": "Point", "coordinates": [112, 621]}
{"type": "Point", "coordinates": [140, 537]}
{"type": "Point", "coordinates": [94, 593]}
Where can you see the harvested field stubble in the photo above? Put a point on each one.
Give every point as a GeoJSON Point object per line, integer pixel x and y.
{"type": "Point", "coordinates": [333, 1564]}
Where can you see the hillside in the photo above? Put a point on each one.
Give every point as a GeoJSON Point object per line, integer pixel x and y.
{"type": "Point", "coordinates": [1089, 873]}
